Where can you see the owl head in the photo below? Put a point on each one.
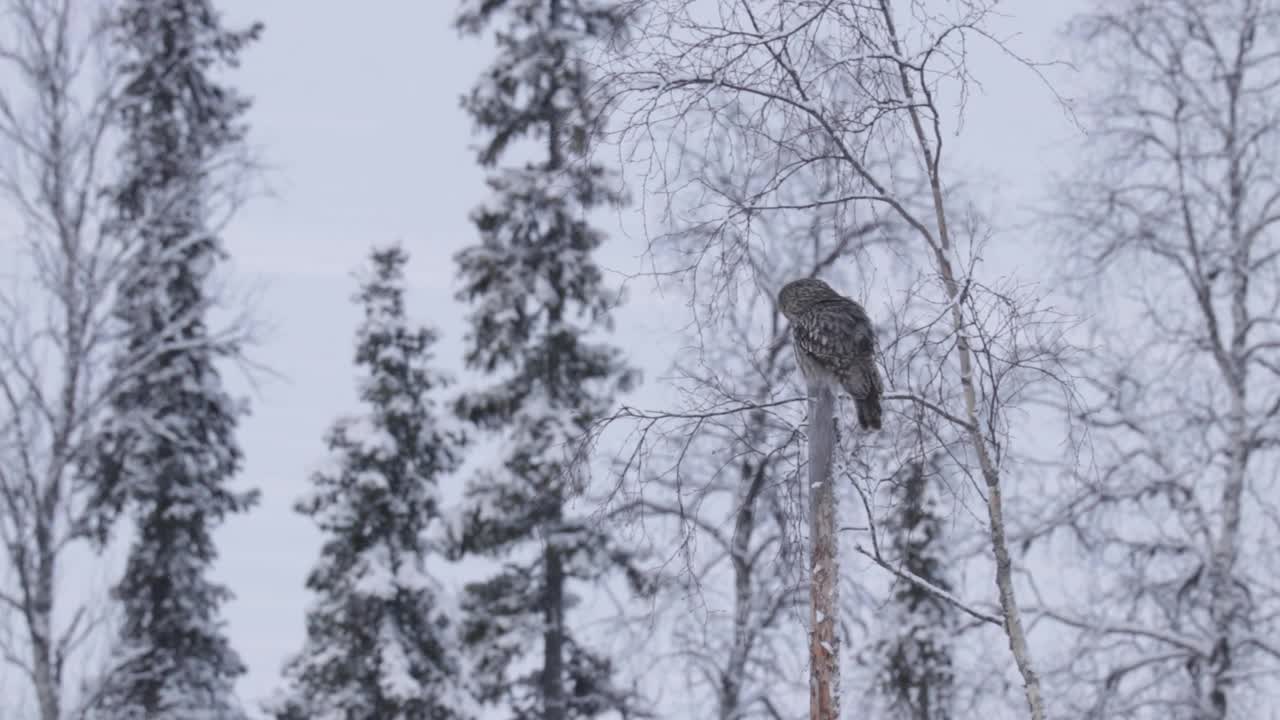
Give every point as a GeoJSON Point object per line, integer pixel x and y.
{"type": "Point", "coordinates": [799, 295]}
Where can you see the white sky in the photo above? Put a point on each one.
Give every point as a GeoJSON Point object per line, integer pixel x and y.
{"type": "Point", "coordinates": [356, 108]}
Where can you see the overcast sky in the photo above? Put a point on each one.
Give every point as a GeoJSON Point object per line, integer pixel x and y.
{"type": "Point", "coordinates": [356, 109]}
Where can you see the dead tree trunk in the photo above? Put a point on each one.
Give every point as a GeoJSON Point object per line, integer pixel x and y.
{"type": "Point", "coordinates": [824, 644]}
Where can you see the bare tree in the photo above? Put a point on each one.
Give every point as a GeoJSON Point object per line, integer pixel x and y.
{"type": "Point", "coordinates": [1173, 233]}
{"type": "Point", "coordinates": [729, 481]}
{"type": "Point", "coordinates": [726, 464]}
{"type": "Point", "coordinates": [856, 92]}
{"type": "Point", "coordinates": [54, 117]}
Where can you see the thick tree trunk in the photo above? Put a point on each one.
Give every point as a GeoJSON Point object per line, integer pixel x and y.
{"type": "Point", "coordinates": [824, 643]}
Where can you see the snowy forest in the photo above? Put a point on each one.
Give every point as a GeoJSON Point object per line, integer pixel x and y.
{"type": "Point", "coordinates": [426, 362]}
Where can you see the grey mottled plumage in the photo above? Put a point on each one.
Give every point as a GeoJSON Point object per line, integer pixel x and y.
{"type": "Point", "coordinates": [834, 344]}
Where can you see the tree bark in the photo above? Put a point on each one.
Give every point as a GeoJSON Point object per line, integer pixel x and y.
{"type": "Point", "coordinates": [944, 250]}
{"type": "Point", "coordinates": [744, 526]}
{"type": "Point", "coordinates": [553, 638]}
{"type": "Point", "coordinates": [824, 644]}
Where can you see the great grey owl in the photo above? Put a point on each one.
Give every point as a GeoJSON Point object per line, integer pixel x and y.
{"type": "Point", "coordinates": [834, 344]}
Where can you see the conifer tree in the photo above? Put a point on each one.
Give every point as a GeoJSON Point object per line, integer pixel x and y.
{"type": "Point", "coordinates": [538, 299]}
{"type": "Point", "coordinates": [916, 675]}
{"type": "Point", "coordinates": [378, 639]}
{"type": "Point", "coordinates": [168, 450]}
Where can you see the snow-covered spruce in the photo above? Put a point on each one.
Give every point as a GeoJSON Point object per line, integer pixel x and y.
{"type": "Point", "coordinates": [168, 450]}
{"type": "Point", "coordinates": [537, 297]}
{"type": "Point", "coordinates": [913, 654]}
{"type": "Point", "coordinates": [379, 632]}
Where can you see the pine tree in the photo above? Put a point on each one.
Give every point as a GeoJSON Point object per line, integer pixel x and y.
{"type": "Point", "coordinates": [168, 449]}
{"type": "Point", "coordinates": [378, 640]}
{"type": "Point", "coordinates": [916, 667]}
{"type": "Point", "coordinates": [538, 297]}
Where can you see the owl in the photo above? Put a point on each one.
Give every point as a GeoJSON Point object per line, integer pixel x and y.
{"type": "Point", "coordinates": [834, 344]}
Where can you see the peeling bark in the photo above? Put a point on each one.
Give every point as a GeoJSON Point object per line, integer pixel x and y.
{"type": "Point", "coordinates": [824, 642]}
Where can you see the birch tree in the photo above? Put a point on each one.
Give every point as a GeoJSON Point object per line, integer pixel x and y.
{"type": "Point", "coordinates": [56, 109]}
{"type": "Point", "coordinates": [858, 91]}
{"type": "Point", "coordinates": [723, 467]}
{"type": "Point", "coordinates": [724, 475]}
{"type": "Point", "coordinates": [1172, 223]}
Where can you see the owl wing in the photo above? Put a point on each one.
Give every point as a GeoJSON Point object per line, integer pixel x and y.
{"type": "Point", "coordinates": [835, 333]}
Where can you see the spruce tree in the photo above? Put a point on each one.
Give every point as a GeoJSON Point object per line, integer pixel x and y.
{"type": "Point", "coordinates": [539, 298]}
{"type": "Point", "coordinates": [378, 640]}
{"type": "Point", "coordinates": [916, 676]}
{"type": "Point", "coordinates": [168, 449]}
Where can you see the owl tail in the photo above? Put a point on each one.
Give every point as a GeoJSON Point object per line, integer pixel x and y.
{"type": "Point", "coordinates": [863, 385]}
{"type": "Point", "coordinates": [868, 411]}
